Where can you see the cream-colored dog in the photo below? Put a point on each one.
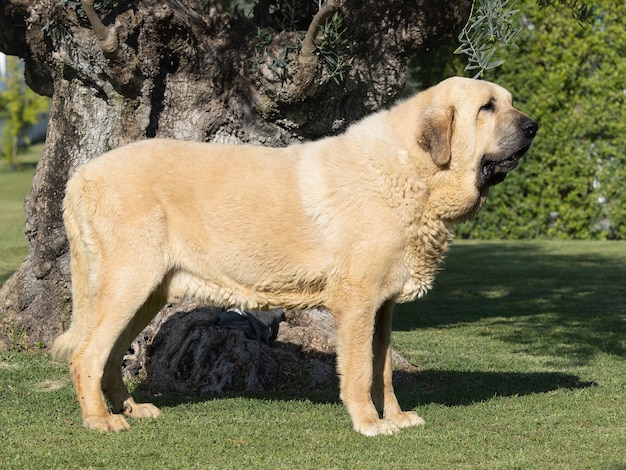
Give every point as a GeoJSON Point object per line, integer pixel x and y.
{"type": "Point", "coordinates": [354, 223]}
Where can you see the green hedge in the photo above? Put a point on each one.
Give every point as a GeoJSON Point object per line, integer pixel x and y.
{"type": "Point", "coordinates": [571, 77]}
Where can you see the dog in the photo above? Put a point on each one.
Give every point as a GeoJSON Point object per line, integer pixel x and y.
{"type": "Point", "coordinates": [353, 223]}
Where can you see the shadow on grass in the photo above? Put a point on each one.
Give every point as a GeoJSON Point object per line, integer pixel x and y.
{"type": "Point", "coordinates": [414, 389]}
{"type": "Point", "coordinates": [4, 277]}
{"type": "Point", "coordinates": [567, 299]}
{"type": "Point", "coordinates": [454, 388]}
{"type": "Point", "coordinates": [28, 166]}
{"type": "Point", "coordinates": [22, 167]}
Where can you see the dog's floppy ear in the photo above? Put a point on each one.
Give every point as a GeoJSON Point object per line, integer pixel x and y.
{"type": "Point", "coordinates": [435, 135]}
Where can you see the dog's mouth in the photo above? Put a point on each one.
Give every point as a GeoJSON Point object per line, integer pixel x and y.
{"type": "Point", "coordinates": [493, 171]}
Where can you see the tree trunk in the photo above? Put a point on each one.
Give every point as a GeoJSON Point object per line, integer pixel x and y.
{"type": "Point", "coordinates": [169, 69]}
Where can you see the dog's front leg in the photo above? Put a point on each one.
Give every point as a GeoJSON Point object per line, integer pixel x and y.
{"type": "Point", "coordinates": [383, 394]}
{"type": "Point", "coordinates": [355, 330]}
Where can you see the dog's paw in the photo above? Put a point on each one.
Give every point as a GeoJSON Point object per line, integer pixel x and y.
{"type": "Point", "coordinates": [141, 410]}
{"type": "Point", "coordinates": [106, 423]}
{"type": "Point", "coordinates": [377, 427]}
{"type": "Point", "coordinates": [405, 419]}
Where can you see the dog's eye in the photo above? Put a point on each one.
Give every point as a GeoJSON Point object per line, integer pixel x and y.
{"type": "Point", "coordinates": [489, 107]}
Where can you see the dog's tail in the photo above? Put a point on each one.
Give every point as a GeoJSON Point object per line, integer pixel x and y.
{"type": "Point", "coordinates": [77, 233]}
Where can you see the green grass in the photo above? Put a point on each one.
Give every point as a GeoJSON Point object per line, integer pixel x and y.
{"type": "Point", "coordinates": [522, 351]}
{"type": "Point", "coordinates": [13, 189]}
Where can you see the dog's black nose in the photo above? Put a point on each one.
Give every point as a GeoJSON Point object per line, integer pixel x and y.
{"type": "Point", "coordinates": [530, 127]}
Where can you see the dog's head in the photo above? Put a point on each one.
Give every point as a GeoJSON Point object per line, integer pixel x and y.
{"type": "Point", "coordinates": [472, 133]}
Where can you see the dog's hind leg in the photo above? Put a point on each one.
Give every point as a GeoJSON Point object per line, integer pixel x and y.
{"type": "Point", "coordinates": [122, 291]}
{"type": "Point", "coordinates": [112, 383]}
{"type": "Point", "coordinates": [383, 394]}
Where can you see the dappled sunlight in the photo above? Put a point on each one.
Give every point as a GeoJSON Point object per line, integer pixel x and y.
{"type": "Point", "coordinates": [562, 299]}
{"type": "Point", "coordinates": [495, 293]}
{"type": "Point", "coordinates": [574, 339]}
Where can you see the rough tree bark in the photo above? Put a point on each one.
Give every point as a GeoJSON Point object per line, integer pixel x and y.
{"type": "Point", "coordinates": [149, 68]}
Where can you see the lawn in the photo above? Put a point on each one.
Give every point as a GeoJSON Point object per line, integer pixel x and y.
{"type": "Point", "coordinates": [521, 349]}
{"type": "Point", "coordinates": [13, 189]}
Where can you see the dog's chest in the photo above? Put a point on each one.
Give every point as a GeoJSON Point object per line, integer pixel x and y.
{"type": "Point", "coordinates": [424, 252]}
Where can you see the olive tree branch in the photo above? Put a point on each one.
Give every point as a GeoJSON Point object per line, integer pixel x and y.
{"type": "Point", "coordinates": [307, 51]}
{"type": "Point", "coordinates": [107, 36]}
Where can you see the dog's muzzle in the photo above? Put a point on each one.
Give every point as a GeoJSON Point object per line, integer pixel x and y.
{"type": "Point", "coordinates": [493, 168]}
